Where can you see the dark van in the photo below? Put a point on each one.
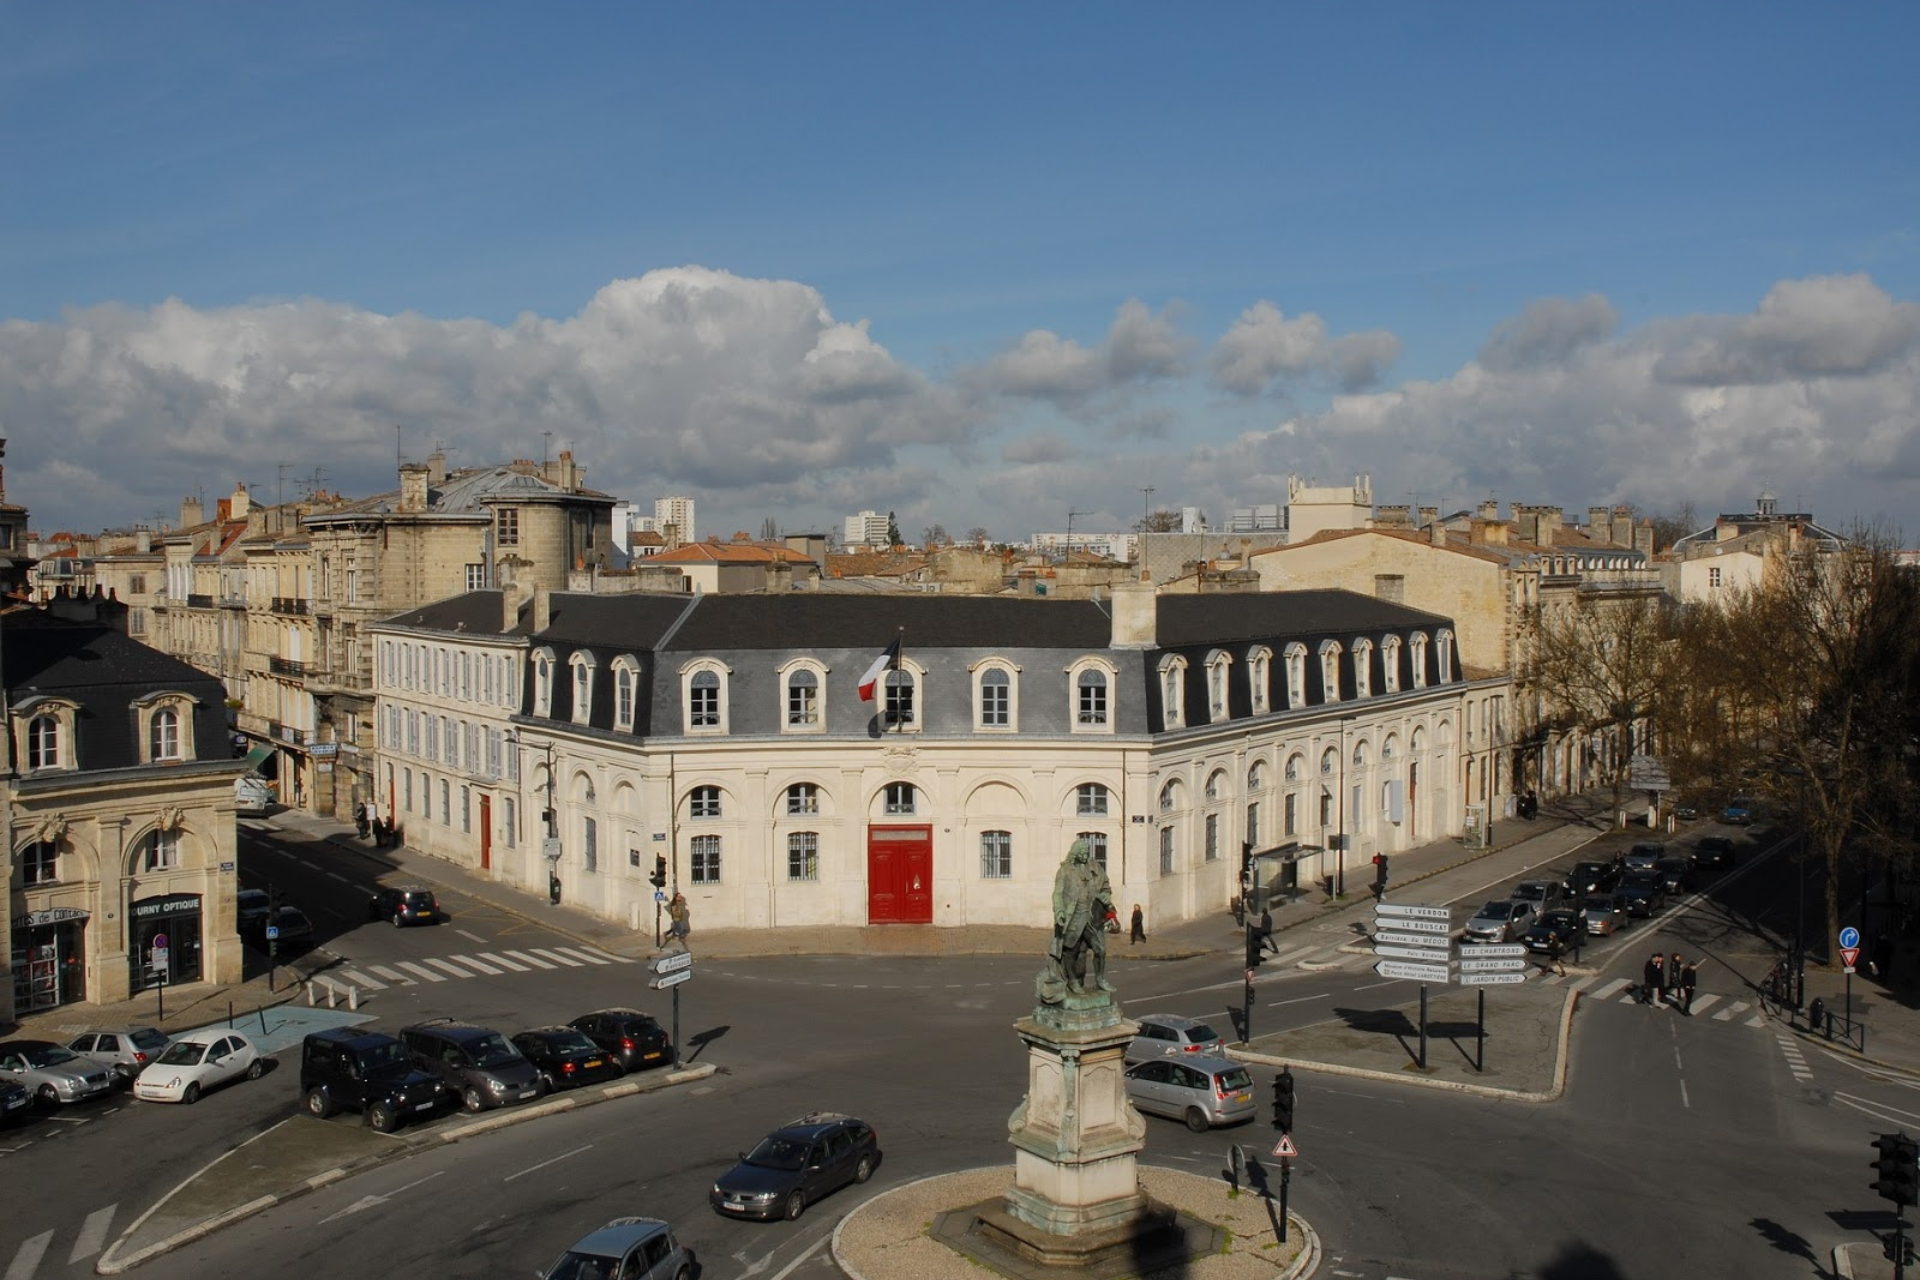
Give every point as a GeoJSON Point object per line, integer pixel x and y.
{"type": "Point", "coordinates": [346, 1070]}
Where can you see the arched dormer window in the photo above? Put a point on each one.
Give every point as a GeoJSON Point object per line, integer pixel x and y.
{"type": "Point", "coordinates": [1363, 668]}
{"type": "Point", "coordinates": [802, 699]}
{"type": "Point", "coordinates": [703, 686]}
{"type": "Point", "coordinates": [543, 683]}
{"type": "Point", "coordinates": [996, 696]}
{"type": "Point", "coordinates": [581, 664]}
{"type": "Point", "coordinates": [43, 728]}
{"type": "Point", "coordinates": [626, 692]}
{"type": "Point", "coordinates": [163, 735]}
{"type": "Point", "coordinates": [1417, 645]}
{"type": "Point", "coordinates": [1173, 695]}
{"type": "Point", "coordinates": [900, 708]}
{"type": "Point", "coordinates": [1390, 664]}
{"type": "Point", "coordinates": [166, 726]}
{"type": "Point", "coordinates": [1330, 671]}
{"type": "Point", "coordinates": [45, 743]}
{"type": "Point", "coordinates": [1296, 675]}
{"type": "Point", "coordinates": [1446, 656]}
{"type": "Point", "coordinates": [1260, 679]}
{"type": "Point", "coordinates": [1093, 681]}
{"type": "Point", "coordinates": [1219, 669]}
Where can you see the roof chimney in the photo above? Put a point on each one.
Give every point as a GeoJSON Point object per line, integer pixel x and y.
{"type": "Point", "coordinates": [413, 486]}
{"type": "Point", "coordinates": [1489, 510]}
{"type": "Point", "coordinates": [1136, 608]}
{"type": "Point", "coordinates": [437, 467]}
{"type": "Point", "coordinates": [542, 607]}
{"type": "Point", "coordinates": [191, 513]}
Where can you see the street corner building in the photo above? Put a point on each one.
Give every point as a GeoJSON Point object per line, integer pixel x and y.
{"type": "Point", "coordinates": [574, 743]}
{"type": "Point", "coordinates": [119, 812]}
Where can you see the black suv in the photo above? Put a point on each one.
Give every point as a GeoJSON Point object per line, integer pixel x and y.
{"type": "Point", "coordinates": [344, 1069]}
{"type": "Point", "coordinates": [405, 904]}
{"type": "Point", "coordinates": [480, 1066]}
{"type": "Point", "coordinates": [797, 1164]}
{"type": "Point", "coordinates": [635, 1040]}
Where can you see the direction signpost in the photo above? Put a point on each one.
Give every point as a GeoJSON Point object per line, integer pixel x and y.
{"type": "Point", "coordinates": [1416, 942]}
{"type": "Point", "coordinates": [1412, 970]}
{"type": "Point", "coordinates": [669, 970]}
{"type": "Point", "coordinates": [1849, 952]}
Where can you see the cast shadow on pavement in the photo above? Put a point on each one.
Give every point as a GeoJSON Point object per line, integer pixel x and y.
{"type": "Point", "coordinates": [1790, 1243]}
{"type": "Point", "coordinates": [1463, 1036]}
{"type": "Point", "coordinates": [1581, 1262]}
{"type": "Point", "coordinates": [701, 1040]}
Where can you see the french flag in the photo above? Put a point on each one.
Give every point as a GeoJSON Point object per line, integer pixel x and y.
{"type": "Point", "coordinates": [889, 660]}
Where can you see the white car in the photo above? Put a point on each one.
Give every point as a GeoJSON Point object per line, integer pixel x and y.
{"type": "Point", "coordinates": [197, 1061]}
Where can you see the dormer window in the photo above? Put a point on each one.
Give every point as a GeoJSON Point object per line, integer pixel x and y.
{"type": "Point", "coordinates": [1418, 647]}
{"type": "Point", "coordinates": [1363, 668]}
{"type": "Point", "coordinates": [1173, 701]}
{"type": "Point", "coordinates": [1219, 664]}
{"type": "Point", "coordinates": [1296, 676]}
{"type": "Point", "coordinates": [1446, 657]}
{"type": "Point", "coordinates": [1330, 671]}
{"type": "Point", "coordinates": [1390, 664]}
{"type": "Point", "coordinates": [542, 683]}
{"type": "Point", "coordinates": [582, 665]}
{"type": "Point", "coordinates": [163, 735]}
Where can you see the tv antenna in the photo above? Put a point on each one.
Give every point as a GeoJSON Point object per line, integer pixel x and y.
{"type": "Point", "coordinates": [1146, 506]}
{"type": "Point", "coordinates": [1070, 515]}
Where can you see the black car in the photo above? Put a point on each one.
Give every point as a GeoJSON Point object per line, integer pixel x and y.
{"type": "Point", "coordinates": [343, 1069]}
{"type": "Point", "coordinates": [1569, 926]}
{"type": "Point", "coordinates": [293, 930]}
{"type": "Point", "coordinates": [1589, 878]}
{"type": "Point", "coordinates": [1714, 853]}
{"type": "Point", "coordinates": [15, 1101]}
{"type": "Point", "coordinates": [566, 1058]}
{"type": "Point", "coordinates": [795, 1165]}
{"type": "Point", "coordinates": [1676, 874]}
{"type": "Point", "coordinates": [480, 1066]}
{"type": "Point", "coordinates": [634, 1039]}
{"type": "Point", "coordinates": [405, 905]}
{"type": "Point", "coordinates": [1643, 892]}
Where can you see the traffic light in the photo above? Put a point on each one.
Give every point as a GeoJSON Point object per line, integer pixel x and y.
{"type": "Point", "coordinates": [1897, 1248]}
{"type": "Point", "coordinates": [1254, 948]}
{"type": "Point", "coordinates": [659, 877]}
{"type": "Point", "coordinates": [1380, 869]}
{"type": "Point", "coordinates": [1283, 1100]}
{"type": "Point", "coordinates": [1898, 1164]}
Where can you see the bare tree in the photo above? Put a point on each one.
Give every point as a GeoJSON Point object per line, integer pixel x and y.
{"type": "Point", "coordinates": [1601, 662]}
{"type": "Point", "coordinates": [1162, 521]}
{"type": "Point", "coordinates": [934, 535]}
{"type": "Point", "coordinates": [978, 536]}
{"type": "Point", "coordinates": [1673, 526]}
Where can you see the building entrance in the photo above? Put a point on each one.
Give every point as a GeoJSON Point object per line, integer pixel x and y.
{"type": "Point", "coordinates": [49, 958]}
{"type": "Point", "coordinates": [166, 941]}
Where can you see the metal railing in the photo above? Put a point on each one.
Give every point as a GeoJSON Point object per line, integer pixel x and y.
{"type": "Point", "coordinates": [286, 666]}
{"type": "Point", "coordinates": [293, 606]}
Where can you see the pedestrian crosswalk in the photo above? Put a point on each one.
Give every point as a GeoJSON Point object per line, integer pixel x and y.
{"type": "Point", "coordinates": [1720, 1007]}
{"type": "Point", "coordinates": [412, 973]}
{"type": "Point", "coordinates": [88, 1241]}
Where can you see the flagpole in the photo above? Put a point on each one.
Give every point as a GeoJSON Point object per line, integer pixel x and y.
{"type": "Point", "coordinates": [899, 652]}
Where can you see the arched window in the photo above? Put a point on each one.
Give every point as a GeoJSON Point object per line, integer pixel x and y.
{"type": "Point", "coordinates": [1390, 747]}
{"type": "Point", "coordinates": [1446, 657]}
{"type": "Point", "coordinates": [1390, 664]}
{"type": "Point", "coordinates": [901, 798]}
{"type": "Point", "coordinates": [624, 680]}
{"type": "Point", "coordinates": [1329, 762]}
{"type": "Point", "coordinates": [163, 735]}
{"type": "Point", "coordinates": [39, 863]}
{"type": "Point", "coordinates": [1170, 796]}
{"type": "Point", "coordinates": [1091, 702]}
{"type": "Point", "coordinates": [1296, 765]}
{"type": "Point", "coordinates": [582, 665]}
{"type": "Point", "coordinates": [1217, 784]}
{"type": "Point", "coordinates": [1330, 670]}
{"type": "Point", "coordinates": [1363, 668]}
{"type": "Point", "coordinates": [543, 683]}
{"type": "Point", "coordinates": [1296, 675]}
{"type": "Point", "coordinates": [1360, 754]}
{"type": "Point", "coordinates": [1417, 646]}
{"type": "Point", "coordinates": [1173, 702]}
{"type": "Point", "coordinates": [1256, 776]}
{"type": "Point", "coordinates": [703, 802]}
{"type": "Point", "coordinates": [706, 692]}
{"type": "Point", "coordinates": [803, 800]}
{"type": "Point", "coordinates": [43, 743]}
{"type": "Point", "coordinates": [901, 685]}
{"type": "Point", "coordinates": [1091, 800]}
{"type": "Point", "coordinates": [1260, 679]}
{"type": "Point", "coordinates": [1219, 665]}
{"type": "Point", "coordinates": [996, 699]}
{"type": "Point", "coordinates": [803, 699]}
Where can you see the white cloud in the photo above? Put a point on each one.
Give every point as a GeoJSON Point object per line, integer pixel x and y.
{"type": "Point", "coordinates": [1548, 332]}
{"type": "Point", "coordinates": [1827, 326]}
{"type": "Point", "coordinates": [1264, 345]}
{"type": "Point", "coordinates": [1140, 348]}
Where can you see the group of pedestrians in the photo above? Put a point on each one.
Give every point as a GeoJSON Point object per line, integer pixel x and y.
{"type": "Point", "coordinates": [367, 821]}
{"type": "Point", "coordinates": [1669, 981]}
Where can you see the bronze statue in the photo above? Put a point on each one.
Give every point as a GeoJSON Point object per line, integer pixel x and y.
{"type": "Point", "coordinates": [1082, 901]}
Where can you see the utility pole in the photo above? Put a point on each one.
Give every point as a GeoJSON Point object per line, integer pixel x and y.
{"type": "Point", "coordinates": [1146, 506]}
{"type": "Point", "coordinates": [1070, 515]}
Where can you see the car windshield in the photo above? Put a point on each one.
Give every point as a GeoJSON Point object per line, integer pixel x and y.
{"type": "Point", "coordinates": [184, 1054]}
{"type": "Point", "coordinates": [1599, 902]}
{"type": "Point", "coordinates": [494, 1051]}
{"type": "Point", "coordinates": [1235, 1079]}
{"type": "Point", "coordinates": [776, 1152]}
{"type": "Point", "coordinates": [1639, 880]}
{"type": "Point", "coordinates": [1530, 892]}
{"type": "Point", "coordinates": [1496, 911]}
{"type": "Point", "coordinates": [48, 1056]}
{"type": "Point", "coordinates": [1201, 1033]}
{"type": "Point", "coordinates": [584, 1266]}
{"type": "Point", "coordinates": [147, 1039]}
{"type": "Point", "coordinates": [383, 1055]}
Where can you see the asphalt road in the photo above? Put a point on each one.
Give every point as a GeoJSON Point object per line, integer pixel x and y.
{"type": "Point", "coordinates": [1683, 1147]}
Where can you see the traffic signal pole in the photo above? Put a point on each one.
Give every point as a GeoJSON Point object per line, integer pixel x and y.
{"type": "Point", "coordinates": [1898, 1165]}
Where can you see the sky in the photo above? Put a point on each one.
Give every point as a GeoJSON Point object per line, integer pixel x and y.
{"type": "Point", "coordinates": [985, 266]}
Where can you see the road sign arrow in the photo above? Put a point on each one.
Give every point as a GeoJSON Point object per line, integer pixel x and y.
{"type": "Point", "coordinates": [1490, 950]}
{"type": "Point", "coordinates": [672, 962]}
{"type": "Point", "coordinates": [1491, 966]}
{"type": "Point", "coordinates": [1409, 970]}
{"type": "Point", "coordinates": [1412, 953]}
{"type": "Point", "coordinates": [670, 980]}
{"type": "Point", "coordinates": [1490, 979]}
{"type": "Point", "coordinates": [1420, 913]}
{"type": "Point", "coordinates": [1850, 937]}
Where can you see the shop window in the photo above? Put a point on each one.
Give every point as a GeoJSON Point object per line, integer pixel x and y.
{"type": "Point", "coordinates": [39, 864]}
{"type": "Point", "coordinates": [803, 855]}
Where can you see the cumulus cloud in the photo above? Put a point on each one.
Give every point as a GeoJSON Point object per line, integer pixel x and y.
{"type": "Point", "coordinates": [1827, 326]}
{"type": "Point", "coordinates": [1264, 345]}
{"type": "Point", "coordinates": [1548, 332]}
{"type": "Point", "coordinates": [1047, 446]}
{"type": "Point", "coordinates": [1140, 347]}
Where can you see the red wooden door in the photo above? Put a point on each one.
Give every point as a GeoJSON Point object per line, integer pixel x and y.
{"type": "Point", "coordinates": [900, 875]}
{"type": "Point", "coordinates": [486, 831]}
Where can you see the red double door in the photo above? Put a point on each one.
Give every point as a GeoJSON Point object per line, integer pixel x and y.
{"type": "Point", "coordinates": [900, 875]}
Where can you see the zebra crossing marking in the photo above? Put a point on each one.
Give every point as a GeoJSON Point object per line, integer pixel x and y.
{"type": "Point", "coordinates": [1796, 1061]}
{"type": "Point", "coordinates": [1613, 989]}
{"type": "Point", "coordinates": [604, 957]}
{"type": "Point", "coordinates": [1703, 1003]}
{"type": "Point", "coordinates": [393, 975]}
{"type": "Point", "coordinates": [503, 962]}
{"type": "Point", "coordinates": [360, 979]}
{"type": "Point", "coordinates": [1583, 983]}
{"type": "Point", "coordinates": [532, 960]}
{"type": "Point", "coordinates": [420, 969]}
{"type": "Point", "coordinates": [93, 1234]}
{"type": "Point", "coordinates": [449, 966]}
{"type": "Point", "coordinates": [1733, 1009]}
{"type": "Point", "coordinates": [473, 963]}
{"type": "Point", "coordinates": [567, 960]}
{"type": "Point", "coordinates": [26, 1260]}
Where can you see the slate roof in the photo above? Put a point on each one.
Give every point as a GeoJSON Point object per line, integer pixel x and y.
{"type": "Point", "coordinates": [1230, 617]}
{"type": "Point", "coordinates": [476, 613]}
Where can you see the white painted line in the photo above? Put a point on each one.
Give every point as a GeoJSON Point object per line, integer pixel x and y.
{"type": "Point", "coordinates": [1683, 1096]}
{"type": "Point", "coordinates": [421, 970]}
{"type": "Point", "coordinates": [1883, 1106]}
{"type": "Point", "coordinates": [789, 1269]}
{"type": "Point", "coordinates": [335, 875]}
{"type": "Point", "coordinates": [544, 1163]}
{"type": "Point", "coordinates": [1737, 1006]}
{"type": "Point", "coordinates": [538, 963]}
{"type": "Point", "coordinates": [450, 967]}
{"type": "Point", "coordinates": [1371, 985]}
{"type": "Point", "coordinates": [592, 957]}
{"type": "Point", "coordinates": [1871, 1109]}
{"type": "Point", "coordinates": [393, 975]}
{"type": "Point", "coordinates": [1703, 1003]}
{"type": "Point", "coordinates": [476, 937]}
{"type": "Point", "coordinates": [303, 862]}
{"type": "Point", "coordinates": [569, 961]}
{"type": "Point", "coordinates": [360, 979]}
{"type": "Point", "coordinates": [1613, 988]}
{"type": "Point", "coordinates": [502, 961]}
{"type": "Point", "coordinates": [1291, 954]}
{"type": "Point", "coordinates": [606, 956]}
{"type": "Point", "coordinates": [1584, 983]}
{"type": "Point", "coordinates": [472, 963]}
{"type": "Point", "coordinates": [93, 1234]}
{"type": "Point", "coordinates": [1757, 1020]}
{"type": "Point", "coordinates": [1275, 1004]}
{"type": "Point", "coordinates": [26, 1259]}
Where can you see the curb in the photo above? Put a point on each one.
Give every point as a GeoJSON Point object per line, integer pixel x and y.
{"type": "Point", "coordinates": [111, 1264]}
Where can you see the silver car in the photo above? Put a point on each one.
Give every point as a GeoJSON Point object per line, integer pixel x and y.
{"type": "Point", "coordinates": [125, 1051]}
{"type": "Point", "coordinates": [1500, 921]}
{"type": "Point", "coordinates": [1204, 1091]}
{"type": "Point", "coordinates": [54, 1073]}
{"type": "Point", "coordinates": [1605, 913]}
{"type": "Point", "coordinates": [1166, 1035]}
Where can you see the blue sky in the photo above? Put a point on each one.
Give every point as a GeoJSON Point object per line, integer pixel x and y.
{"type": "Point", "coordinates": [978, 264]}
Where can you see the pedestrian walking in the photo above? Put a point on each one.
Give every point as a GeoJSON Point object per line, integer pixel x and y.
{"type": "Point", "coordinates": [1689, 976]}
{"type": "Point", "coordinates": [1555, 949]}
{"type": "Point", "coordinates": [1674, 966]}
{"type": "Point", "coordinates": [360, 819]}
{"type": "Point", "coordinates": [1139, 926]}
{"type": "Point", "coordinates": [1266, 931]}
{"type": "Point", "coordinates": [1651, 979]}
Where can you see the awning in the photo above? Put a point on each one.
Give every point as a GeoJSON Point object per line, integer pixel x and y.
{"type": "Point", "coordinates": [259, 756]}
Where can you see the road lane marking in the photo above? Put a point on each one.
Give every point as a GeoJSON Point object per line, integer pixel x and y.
{"type": "Point", "coordinates": [335, 875]}
{"type": "Point", "coordinates": [1371, 985]}
{"type": "Point", "coordinates": [420, 969]}
{"type": "Point", "coordinates": [503, 962]}
{"type": "Point", "coordinates": [569, 961]}
{"type": "Point", "coordinates": [1874, 1103]}
{"type": "Point", "coordinates": [789, 1269]}
{"type": "Point", "coordinates": [1275, 1004]}
{"type": "Point", "coordinates": [393, 975]}
{"type": "Point", "coordinates": [476, 937]}
{"type": "Point", "coordinates": [93, 1234]}
{"type": "Point", "coordinates": [26, 1260]}
{"type": "Point", "coordinates": [544, 1163]}
{"type": "Point", "coordinates": [532, 960]}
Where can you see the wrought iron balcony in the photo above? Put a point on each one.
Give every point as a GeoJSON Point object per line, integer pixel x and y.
{"type": "Point", "coordinates": [199, 600]}
{"type": "Point", "coordinates": [293, 606]}
{"type": "Point", "coordinates": [286, 666]}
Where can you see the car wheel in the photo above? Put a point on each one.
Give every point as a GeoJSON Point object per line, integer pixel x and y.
{"type": "Point", "coordinates": [682, 1274]}
{"type": "Point", "coordinates": [192, 1095]}
{"type": "Point", "coordinates": [256, 1068]}
{"type": "Point", "coordinates": [398, 920]}
{"type": "Point", "coordinates": [1197, 1120]}
{"type": "Point", "coordinates": [381, 1118]}
{"type": "Point", "coordinates": [863, 1170]}
{"type": "Point", "coordinates": [473, 1099]}
{"type": "Point", "coordinates": [796, 1205]}
{"type": "Point", "coordinates": [547, 1085]}
{"type": "Point", "coordinates": [319, 1105]}
{"type": "Point", "coordinates": [49, 1096]}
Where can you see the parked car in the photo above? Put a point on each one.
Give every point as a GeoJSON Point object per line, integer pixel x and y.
{"type": "Point", "coordinates": [1686, 811]}
{"type": "Point", "coordinates": [125, 1051]}
{"type": "Point", "coordinates": [480, 1066]}
{"type": "Point", "coordinates": [15, 1099]}
{"type": "Point", "coordinates": [1714, 853]}
{"type": "Point", "coordinates": [197, 1061]}
{"type": "Point", "coordinates": [634, 1039]}
{"type": "Point", "coordinates": [1645, 856]}
{"type": "Point", "coordinates": [1676, 874]}
{"type": "Point", "coordinates": [1166, 1035]}
{"type": "Point", "coordinates": [1204, 1091]}
{"type": "Point", "coordinates": [405, 905]}
{"type": "Point", "coordinates": [629, 1248]}
{"type": "Point", "coordinates": [295, 930]}
{"type": "Point", "coordinates": [1542, 895]}
{"type": "Point", "coordinates": [1739, 812]}
{"type": "Point", "coordinates": [1642, 892]}
{"type": "Point", "coordinates": [252, 796]}
{"type": "Point", "coordinates": [1588, 878]}
{"type": "Point", "coordinates": [55, 1074]}
{"type": "Point", "coordinates": [1606, 914]}
{"type": "Point", "coordinates": [345, 1069]}
{"type": "Point", "coordinates": [1499, 921]}
{"type": "Point", "coordinates": [566, 1058]}
{"type": "Point", "coordinates": [250, 907]}
{"type": "Point", "coordinates": [797, 1164]}
{"type": "Point", "coordinates": [1568, 925]}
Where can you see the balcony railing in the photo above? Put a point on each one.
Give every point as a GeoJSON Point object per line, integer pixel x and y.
{"type": "Point", "coordinates": [287, 733]}
{"type": "Point", "coordinates": [232, 600]}
{"type": "Point", "coordinates": [292, 606]}
{"type": "Point", "coordinates": [199, 600]}
{"type": "Point", "coordinates": [286, 666]}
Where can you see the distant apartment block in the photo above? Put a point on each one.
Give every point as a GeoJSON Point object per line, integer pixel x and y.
{"type": "Point", "coordinates": [868, 529]}
{"type": "Point", "coordinates": [673, 520]}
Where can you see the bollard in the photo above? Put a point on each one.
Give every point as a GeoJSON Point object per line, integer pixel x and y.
{"type": "Point", "coordinates": [312, 997]}
{"type": "Point", "coordinates": [353, 999]}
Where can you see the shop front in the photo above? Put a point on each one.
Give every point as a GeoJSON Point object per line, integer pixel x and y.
{"type": "Point", "coordinates": [49, 958]}
{"type": "Point", "coordinates": [165, 942]}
